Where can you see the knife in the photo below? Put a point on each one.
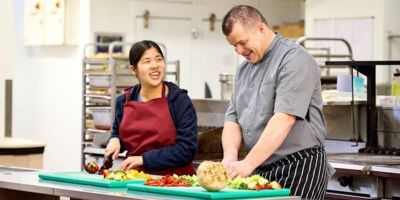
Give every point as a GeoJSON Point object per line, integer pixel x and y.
{"type": "Point", "coordinates": [107, 164]}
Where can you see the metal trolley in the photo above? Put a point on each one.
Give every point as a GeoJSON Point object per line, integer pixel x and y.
{"type": "Point", "coordinates": [323, 53]}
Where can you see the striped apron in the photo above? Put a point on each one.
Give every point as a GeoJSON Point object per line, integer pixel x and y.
{"type": "Point", "coordinates": [304, 172]}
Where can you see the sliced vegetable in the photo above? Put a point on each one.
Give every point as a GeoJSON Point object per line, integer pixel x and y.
{"type": "Point", "coordinates": [105, 172]}
{"type": "Point", "coordinates": [167, 181]}
{"type": "Point", "coordinates": [275, 185]}
{"type": "Point", "coordinates": [255, 182]}
{"type": "Point", "coordinates": [192, 180]}
{"type": "Point", "coordinates": [120, 175]}
{"type": "Point", "coordinates": [117, 175]}
{"type": "Point", "coordinates": [135, 174]}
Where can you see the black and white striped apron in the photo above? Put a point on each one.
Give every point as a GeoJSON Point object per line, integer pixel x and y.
{"type": "Point", "coordinates": [304, 172]}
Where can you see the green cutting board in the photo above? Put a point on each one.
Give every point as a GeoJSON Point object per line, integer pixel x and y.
{"type": "Point", "coordinates": [80, 177]}
{"type": "Point", "coordinates": [200, 192]}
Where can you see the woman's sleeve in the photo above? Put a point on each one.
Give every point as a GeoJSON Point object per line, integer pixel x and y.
{"type": "Point", "coordinates": [117, 116]}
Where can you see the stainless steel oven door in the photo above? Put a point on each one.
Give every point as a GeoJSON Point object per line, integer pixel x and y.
{"type": "Point", "coordinates": [356, 187]}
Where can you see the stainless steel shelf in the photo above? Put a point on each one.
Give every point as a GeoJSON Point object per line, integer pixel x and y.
{"type": "Point", "coordinates": [97, 96]}
{"type": "Point", "coordinates": [92, 130]}
{"type": "Point", "coordinates": [98, 73]}
{"type": "Point", "coordinates": [344, 103]}
{"type": "Point", "coordinates": [98, 107]}
{"type": "Point", "coordinates": [95, 61]}
{"type": "Point", "coordinates": [105, 60]}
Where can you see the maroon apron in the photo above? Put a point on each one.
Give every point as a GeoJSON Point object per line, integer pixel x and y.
{"type": "Point", "coordinates": [148, 125]}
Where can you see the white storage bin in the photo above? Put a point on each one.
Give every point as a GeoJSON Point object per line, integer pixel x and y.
{"type": "Point", "coordinates": [100, 80]}
{"type": "Point", "coordinates": [127, 81]}
{"type": "Point", "coordinates": [105, 80]}
{"type": "Point", "coordinates": [102, 118]}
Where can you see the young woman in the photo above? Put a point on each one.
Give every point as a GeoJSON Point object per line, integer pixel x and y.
{"type": "Point", "coordinates": [155, 121]}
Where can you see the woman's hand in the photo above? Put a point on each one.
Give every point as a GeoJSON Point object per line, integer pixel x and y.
{"type": "Point", "coordinates": [131, 162]}
{"type": "Point", "coordinates": [113, 148]}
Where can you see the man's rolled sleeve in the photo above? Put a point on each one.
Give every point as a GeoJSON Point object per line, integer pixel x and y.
{"type": "Point", "coordinates": [231, 114]}
{"type": "Point", "coordinates": [296, 82]}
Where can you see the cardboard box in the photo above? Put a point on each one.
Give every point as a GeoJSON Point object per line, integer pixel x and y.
{"type": "Point", "coordinates": [17, 152]}
{"type": "Point", "coordinates": [25, 161]}
{"type": "Point", "coordinates": [290, 30]}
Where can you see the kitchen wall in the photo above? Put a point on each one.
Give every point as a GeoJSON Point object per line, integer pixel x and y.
{"type": "Point", "coordinates": [392, 25]}
{"type": "Point", "coordinates": [6, 49]}
{"type": "Point", "coordinates": [384, 13]}
{"type": "Point", "coordinates": [47, 93]}
{"type": "Point", "coordinates": [202, 57]}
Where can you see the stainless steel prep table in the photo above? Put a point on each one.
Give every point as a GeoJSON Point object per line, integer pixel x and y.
{"type": "Point", "coordinates": [18, 185]}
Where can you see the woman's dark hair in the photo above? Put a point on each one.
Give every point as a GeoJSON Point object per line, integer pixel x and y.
{"type": "Point", "coordinates": [138, 49]}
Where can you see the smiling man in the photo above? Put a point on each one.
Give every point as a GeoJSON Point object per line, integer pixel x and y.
{"type": "Point", "coordinates": [275, 109]}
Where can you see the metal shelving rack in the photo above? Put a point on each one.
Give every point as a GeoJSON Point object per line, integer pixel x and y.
{"type": "Point", "coordinates": [325, 53]}
{"type": "Point", "coordinates": [110, 91]}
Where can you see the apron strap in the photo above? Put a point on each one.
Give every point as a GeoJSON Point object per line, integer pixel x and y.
{"type": "Point", "coordinates": [127, 94]}
{"type": "Point", "coordinates": [163, 90]}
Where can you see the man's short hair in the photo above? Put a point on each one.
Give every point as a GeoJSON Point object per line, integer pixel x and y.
{"type": "Point", "coordinates": [244, 14]}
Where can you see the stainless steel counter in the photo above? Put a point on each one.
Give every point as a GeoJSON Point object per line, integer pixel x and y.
{"type": "Point", "coordinates": [364, 180]}
{"type": "Point", "coordinates": [384, 170]}
{"type": "Point", "coordinates": [18, 185]}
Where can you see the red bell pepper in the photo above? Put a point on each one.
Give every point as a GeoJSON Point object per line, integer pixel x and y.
{"type": "Point", "coordinates": [168, 181]}
{"type": "Point", "coordinates": [91, 167]}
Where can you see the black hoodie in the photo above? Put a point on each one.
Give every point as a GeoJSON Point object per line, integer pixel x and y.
{"type": "Point", "coordinates": [184, 117]}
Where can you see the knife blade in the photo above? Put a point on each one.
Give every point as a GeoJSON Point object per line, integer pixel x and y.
{"type": "Point", "coordinates": [107, 164]}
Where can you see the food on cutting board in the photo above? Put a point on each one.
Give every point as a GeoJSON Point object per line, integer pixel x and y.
{"type": "Point", "coordinates": [169, 181]}
{"type": "Point", "coordinates": [107, 164]}
{"type": "Point", "coordinates": [120, 175]}
{"type": "Point", "coordinates": [255, 182]}
{"type": "Point", "coordinates": [212, 176]}
{"type": "Point", "coordinates": [135, 174]}
{"type": "Point", "coordinates": [91, 167]}
{"type": "Point", "coordinates": [117, 175]}
{"type": "Point", "coordinates": [191, 180]}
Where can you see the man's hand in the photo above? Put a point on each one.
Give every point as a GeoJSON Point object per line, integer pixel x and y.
{"type": "Point", "coordinates": [231, 140]}
{"type": "Point", "coordinates": [226, 162]}
{"type": "Point", "coordinates": [241, 168]}
{"type": "Point", "coordinates": [131, 162]}
{"type": "Point", "coordinates": [229, 157]}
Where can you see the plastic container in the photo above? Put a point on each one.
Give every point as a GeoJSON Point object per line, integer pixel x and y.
{"type": "Point", "coordinates": [102, 118]}
{"type": "Point", "coordinates": [358, 84]}
{"type": "Point", "coordinates": [100, 80]}
{"type": "Point", "coordinates": [226, 81]}
{"type": "Point", "coordinates": [344, 84]}
{"type": "Point", "coordinates": [105, 80]}
{"type": "Point", "coordinates": [396, 83]}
